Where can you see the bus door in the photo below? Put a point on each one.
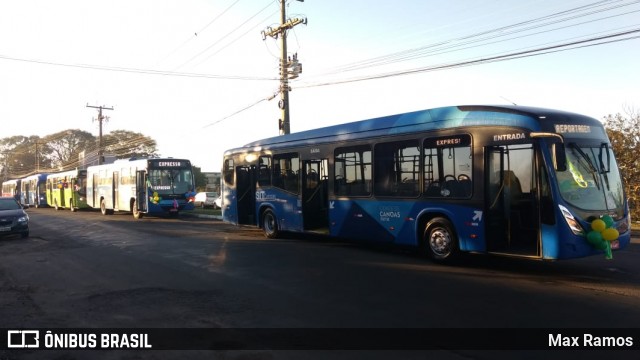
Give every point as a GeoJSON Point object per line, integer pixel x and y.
{"type": "Point", "coordinates": [246, 190]}
{"type": "Point", "coordinates": [315, 200]}
{"type": "Point", "coordinates": [141, 191]}
{"type": "Point", "coordinates": [63, 186]}
{"type": "Point", "coordinates": [512, 213]}
{"type": "Point", "coordinates": [116, 194]}
{"type": "Point", "coordinates": [94, 188]}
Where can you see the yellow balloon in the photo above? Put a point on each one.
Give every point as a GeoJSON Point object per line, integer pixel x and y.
{"type": "Point", "coordinates": [598, 225]}
{"type": "Point", "coordinates": [610, 234]}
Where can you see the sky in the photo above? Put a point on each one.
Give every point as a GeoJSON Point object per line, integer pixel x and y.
{"type": "Point", "coordinates": [196, 75]}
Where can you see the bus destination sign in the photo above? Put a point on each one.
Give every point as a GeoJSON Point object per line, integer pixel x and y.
{"type": "Point", "coordinates": [169, 163]}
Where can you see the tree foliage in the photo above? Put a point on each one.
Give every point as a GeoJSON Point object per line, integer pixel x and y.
{"type": "Point", "coordinates": [21, 156]}
{"type": "Point", "coordinates": [624, 133]}
{"type": "Point", "coordinates": [125, 144]}
{"type": "Point", "coordinates": [200, 178]}
{"type": "Point", "coordinates": [64, 147]}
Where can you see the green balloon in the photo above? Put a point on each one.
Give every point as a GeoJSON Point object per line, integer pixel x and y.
{"type": "Point", "coordinates": [594, 238]}
{"type": "Point", "coordinates": [602, 245]}
{"type": "Point", "coordinates": [608, 220]}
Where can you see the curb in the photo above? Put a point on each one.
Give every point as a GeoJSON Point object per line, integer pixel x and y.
{"type": "Point", "coordinates": [204, 216]}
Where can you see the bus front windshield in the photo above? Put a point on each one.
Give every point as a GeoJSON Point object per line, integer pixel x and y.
{"type": "Point", "coordinates": [592, 181]}
{"type": "Point", "coordinates": [171, 181]}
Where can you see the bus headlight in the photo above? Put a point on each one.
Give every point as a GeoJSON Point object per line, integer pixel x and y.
{"type": "Point", "coordinates": [623, 226]}
{"type": "Point", "coordinates": [571, 221]}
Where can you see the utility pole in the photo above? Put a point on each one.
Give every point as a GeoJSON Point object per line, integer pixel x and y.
{"type": "Point", "coordinates": [289, 67]}
{"type": "Point", "coordinates": [37, 159]}
{"type": "Point", "coordinates": [100, 119]}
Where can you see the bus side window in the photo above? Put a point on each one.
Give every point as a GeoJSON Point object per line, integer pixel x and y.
{"type": "Point", "coordinates": [286, 172]}
{"type": "Point", "coordinates": [447, 167]}
{"type": "Point", "coordinates": [264, 171]}
{"type": "Point", "coordinates": [228, 171]}
{"type": "Point", "coordinates": [353, 171]}
{"type": "Point", "coordinates": [397, 168]}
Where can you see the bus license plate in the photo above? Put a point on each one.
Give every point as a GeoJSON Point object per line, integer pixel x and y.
{"type": "Point", "coordinates": [5, 228]}
{"type": "Point", "coordinates": [173, 210]}
{"type": "Point", "coordinates": [615, 244]}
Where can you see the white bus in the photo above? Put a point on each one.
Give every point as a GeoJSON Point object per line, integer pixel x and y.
{"type": "Point", "coordinates": [141, 186]}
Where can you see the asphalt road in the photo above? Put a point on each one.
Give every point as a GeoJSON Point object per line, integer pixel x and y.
{"type": "Point", "coordinates": [85, 270]}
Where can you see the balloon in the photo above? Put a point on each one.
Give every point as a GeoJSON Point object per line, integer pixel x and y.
{"type": "Point", "coordinates": [598, 225]}
{"type": "Point", "coordinates": [594, 238]}
{"type": "Point", "coordinates": [608, 220]}
{"type": "Point", "coordinates": [610, 234]}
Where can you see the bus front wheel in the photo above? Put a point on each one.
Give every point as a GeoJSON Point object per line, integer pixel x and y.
{"type": "Point", "coordinates": [137, 214]}
{"type": "Point", "coordinates": [103, 207]}
{"type": "Point", "coordinates": [440, 240]}
{"type": "Point", "coordinates": [270, 225]}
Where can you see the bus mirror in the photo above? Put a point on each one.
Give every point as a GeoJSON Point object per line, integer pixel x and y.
{"type": "Point", "coordinates": [559, 157]}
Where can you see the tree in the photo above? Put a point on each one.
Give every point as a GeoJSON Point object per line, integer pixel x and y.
{"type": "Point", "coordinates": [200, 178]}
{"type": "Point", "coordinates": [124, 144]}
{"type": "Point", "coordinates": [624, 133]}
{"type": "Point", "coordinates": [63, 148]}
{"type": "Point", "coordinates": [19, 157]}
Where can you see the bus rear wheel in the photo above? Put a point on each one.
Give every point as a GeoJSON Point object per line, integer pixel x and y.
{"type": "Point", "coordinates": [270, 225]}
{"type": "Point", "coordinates": [440, 240]}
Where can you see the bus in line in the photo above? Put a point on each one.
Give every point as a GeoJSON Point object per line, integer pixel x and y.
{"type": "Point", "coordinates": [508, 180]}
{"type": "Point", "coordinates": [33, 190]}
{"type": "Point", "coordinates": [142, 186]}
{"type": "Point", "coordinates": [67, 190]}
{"type": "Point", "coordinates": [12, 188]}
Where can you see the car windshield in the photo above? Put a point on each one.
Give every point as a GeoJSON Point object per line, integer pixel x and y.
{"type": "Point", "coordinates": [591, 181]}
{"type": "Point", "coordinates": [9, 204]}
{"type": "Point", "coordinates": [212, 195]}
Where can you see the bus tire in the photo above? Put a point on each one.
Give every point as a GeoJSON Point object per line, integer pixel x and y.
{"type": "Point", "coordinates": [270, 224]}
{"type": "Point", "coordinates": [137, 214]}
{"type": "Point", "coordinates": [440, 240]}
{"type": "Point", "coordinates": [103, 207]}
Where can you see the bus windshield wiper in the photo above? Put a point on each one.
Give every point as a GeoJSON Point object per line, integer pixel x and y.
{"type": "Point", "coordinates": [585, 158]}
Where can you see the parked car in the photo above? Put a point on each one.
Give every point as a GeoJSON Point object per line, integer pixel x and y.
{"type": "Point", "coordinates": [219, 202]}
{"type": "Point", "coordinates": [206, 199]}
{"type": "Point", "coordinates": [13, 218]}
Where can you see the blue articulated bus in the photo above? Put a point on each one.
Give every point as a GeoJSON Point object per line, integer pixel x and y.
{"type": "Point", "coordinates": [34, 190]}
{"type": "Point", "coordinates": [142, 186]}
{"type": "Point", "coordinates": [509, 180]}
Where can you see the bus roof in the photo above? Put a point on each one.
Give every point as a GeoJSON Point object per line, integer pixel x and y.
{"type": "Point", "coordinates": [430, 119]}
